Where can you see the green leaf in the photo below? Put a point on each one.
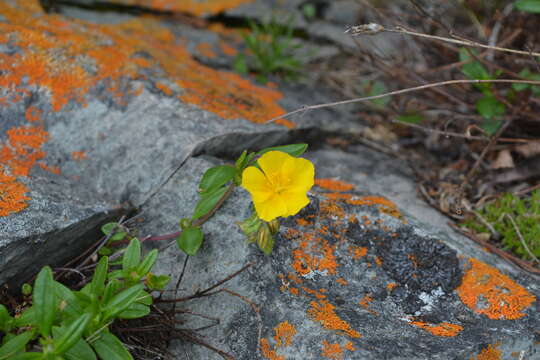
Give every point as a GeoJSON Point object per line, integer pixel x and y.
{"type": "Point", "coordinates": [112, 287]}
{"type": "Point", "coordinates": [118, 235]}
{"type": "Point", "coordinates": [28, 318]}
{"type": "Point", "coordinates": [489, 107]}
{"type": "Point", "coordinates": [378, 88]}
{"type": "Point", "coordinates": [157, 282]}
{"type": "Point", "coordinates": [292, 149]}
{"type": "Point", "coordinates": [491, 126]}
{"type": "Point", "coordinates": [190, 240]}
{"type": "Point", "coordinates": [216, 177]}
{"type": "Point", "coordinates": [109, 347]}
{"type": "Point", "coordinates": [28, 356]}
{"type": "Point", "coordinates": [136, 310]}
{"type": "Point", "coordinates": [5, 319]}
{"type": "Point", "coordinates": [69, 303]}
{"type": "Point", "coordinates": [80, 351]}
{"type": "Point", "coordinates": [66, 339]}
{"type": "Point", "coordinates": [475, 70]}
{"type": "Point", "coordinates": [532, 6]}
{"type": "Point", "coordinates": [122, 301]}
{"type": "Point", "coordinates": [240, 64]}
{"type": "Point", "coordinates": [15, 345]}
{"type": "Point", "coordinates": [207, 202]}
{"type": "Point", "coordinates": [100, 275]}
{"type": "Point", "coordinates": [309, 11]}
{"type": "Point", "coordinates": [411, 118]}
{"type": "Point", "coordinates": [146, 265]}
{"type": "Point", "coordinates": [44, 300]}
{"type": "Point", "coordinates": [132, 256]}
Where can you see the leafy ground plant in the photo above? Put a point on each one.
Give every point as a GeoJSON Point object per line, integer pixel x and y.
{"type": "Point", "coordinates": [514, 220]}
{"type": "Point", "coordinates": [75, 325]}
{"type": "Point", "coordinates": [271, 50]}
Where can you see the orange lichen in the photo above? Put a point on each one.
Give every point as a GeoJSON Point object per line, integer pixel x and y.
{"type": "Point", "coordinates": [332, 351]}
{"type": "Point", "coordinates": [365, 301]}
{"type": "Point", "coordinates": [302, 222]}
{"type": "Point", "coordinates": [23, 149]}
{"type": "Point", "coordinates": [78, 155]}
{"type": "Point", "coordinates": [227, 49]}
{"type": "Point", "coordinates": [12, 194]}
{"type": "Point", "coordinates": [350, 346]}
{"type": "Point", "coordinates": [164, 88]}
{"type": "Point", "coordinates": [193, 7]}
{"type": "Point", "coordinates": [268, 352]}
{"type": "Point", "coordinates": [324, 312]}
{"type": "Point", "coordinates": [378, 261]}
{"type": "Point", "coordinates": [314, 254]}
{"type": "Point", "coordinates": [205, 49]}
{"type": "Point", "coordinates": [357, 252]}
{"type": "Point", "coordinates": [489, 353]}
{"type": "Point", "coordinates": [390, 286]}
{"type": "Point", "coordinates": [284, 333]}
{"type": "Point", "coordinates": [56, 53]}
{"type": "Point", "coordinates": [485, 290]}
{"type": "Point", "coordinates": [333, 185]}
{"type": "Point", "coordinates": [53, 169]}
{"type": "Point", "coordinates": [443, 329]}
{"type": "Point", "coordinates": [33, 114]}
{"type": "Point", "coordinates": [342, 281]}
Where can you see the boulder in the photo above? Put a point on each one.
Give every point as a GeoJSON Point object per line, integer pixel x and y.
{"type": "Point", "coordinates": [352, 276]}
{"type": "Point", "coordinates": [113, 110]}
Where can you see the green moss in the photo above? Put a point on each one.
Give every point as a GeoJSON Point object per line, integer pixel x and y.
{"type": "Point", "coordinates": [526, 215]}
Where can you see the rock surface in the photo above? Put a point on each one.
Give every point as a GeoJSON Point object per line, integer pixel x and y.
{"type": "Point", "coordinates": [351, 276]}
{"type": "Point", "coordinates": [114, 110]}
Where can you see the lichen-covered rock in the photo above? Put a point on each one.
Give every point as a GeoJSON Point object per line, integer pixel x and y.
{"type": "Point", "coordinates": [351, 276]}
{"type": "Point", "coordinates": [114, 110]}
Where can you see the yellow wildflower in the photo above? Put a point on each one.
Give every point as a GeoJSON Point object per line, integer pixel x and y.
{"type": "Point", "coordinates": [280, 189]}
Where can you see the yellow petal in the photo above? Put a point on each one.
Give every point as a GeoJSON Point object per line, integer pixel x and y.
{"type": "Point", "coordinates": [272, 162]}
{"type": "Point", "coordinates": [295, 201]}
{"type": "Point", "coordinates": [272, 208]}
{"type": "Point", "coordinates": [301, 173]}
{"type": "Point", "coordinates": [254, 181]}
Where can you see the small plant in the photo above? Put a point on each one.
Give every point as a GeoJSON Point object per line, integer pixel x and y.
{"type": "Point", "coordinates": [532, 6]}
{"type": "Point", "coordinates": [278, 182]}
{"type": "Point", "coordinates": [508, 215]}
{"type": "Point", "coordinates": [271, 46]}
{"type": "Point", "coordinates": [75, 325]}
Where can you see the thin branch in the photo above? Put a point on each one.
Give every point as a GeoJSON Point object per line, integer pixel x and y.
{"type": "Point", "coordinates": [398, 92]}
{"type": "Point", "coordinates": [520, 236]}
{"type": "Point", "coordinates": [372, 29]}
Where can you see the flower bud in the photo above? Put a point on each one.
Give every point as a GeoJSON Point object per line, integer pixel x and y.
{"type": "Point", "coordinates": [274, 226]}
{"type": "Point", "coordinates": [265, 239]}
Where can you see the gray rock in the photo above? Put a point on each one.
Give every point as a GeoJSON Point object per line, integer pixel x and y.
{"type": "Point", "coordinates": [344, 12]}
{"type": "Point", "coordinates": [358, 276]}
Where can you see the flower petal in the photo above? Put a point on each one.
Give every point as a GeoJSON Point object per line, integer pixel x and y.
{"type": "Point", "coordinates": [254, 181]}
{"type": "Point", "coordinates": [295, 200]}
{"type": "Point", "coordinates": [272, 162]}
{"type": "Point", "coordinates": [272, 208]}
{"type": "Point", "coordinates": [301, 173]}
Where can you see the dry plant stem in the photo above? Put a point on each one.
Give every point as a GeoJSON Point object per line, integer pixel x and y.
{"type": "Point", "coordinates": [527, 190]}
{"type": "Point", "coordinates": [361, 30]}
{"type": "Point", "coordinates": [207, 291]}
{"type": "Point", "coordinates": [520, 236]}
{"type": "Point", "coordinates": [398, 92]}
{"type": "Point", "coordinates": [492, 142]}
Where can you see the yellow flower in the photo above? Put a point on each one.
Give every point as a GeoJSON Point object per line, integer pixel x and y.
{"type": "Point", "coordinates": [280, 189]}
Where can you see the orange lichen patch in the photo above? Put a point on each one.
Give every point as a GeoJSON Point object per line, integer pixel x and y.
{"type": "Point", "coordinates": [485, 290]}
{"type": "Point", "coordinates": [314, 254]}
{"type": "Point", "coordinates": [332, 351]}
{"type": "Point", "coordinates": [284, 334]}
{"type": "Point", "coordinates": [315, 293]}
{"type": "Point", "coordinates": [33, 114]}
{"type": "Point", "coordinates": [268, 352]}
{"type": "Point", "coordinates": [342, 281]}
{"type": "Point", "coordinates": [365, 301]}
{"type": "Point", "coordinates": [164, 88]}
{"type": "Point", "coordinates": [22, 149]}
{"type": "Point", "coordinates": [302, 222]}
{"type": "Point", "coordinates": [386, 206]}
{"type": "Point", "coordinates": [350, 346]}
{"type": "Point", "coordinates": [331, 209]}
{"type": "Point", "coordinates": [57, 51]}
{"type": "Point", "coordinates": [324, 312]}
{"type": "Point", "coordinates": [442, 329]}
{"type": "Point", "coordinates": [79, 155]}
{"type": "Point", "coordinates": [489, 353]}
{"type": "Point", "coordinates": [357, 252]}
{"type": "Point", "coordinates": [194, 7]}
{"type": "Point", "coordinates": [227, 49]}
{"type": "Point", "coordinates": [53, 169]}
{"type": "Point", "coordinates": [12, 194]}
{"type": "Point", "coordinates": [391, 286]}
{"type": "Point", "coordinates": [205, 49]}
{"type": "Point", "coordinates": [378, 261]}
{"type": "Point", "coordinates": [333, 185]}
